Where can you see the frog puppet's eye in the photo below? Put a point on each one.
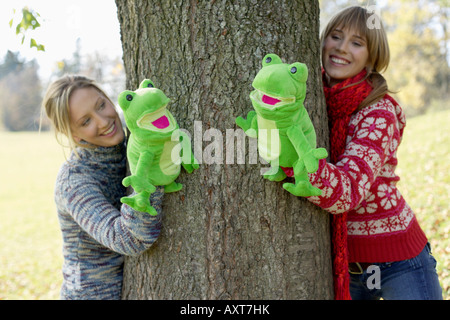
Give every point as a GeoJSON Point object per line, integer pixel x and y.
{"type": "Point", "coordinates": [129, 97]}
{"type": "Point", "coordinates": [271, 59]}
{"type": "Point", "coordinates": [298, 71]}
{"type": "Point", "coordinates": [146, 83]}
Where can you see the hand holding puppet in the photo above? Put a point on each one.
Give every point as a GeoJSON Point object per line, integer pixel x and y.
{"type": "Point", "coordinates": [152, 150]}
{"type": "Point", "coordinates": [286, 136]}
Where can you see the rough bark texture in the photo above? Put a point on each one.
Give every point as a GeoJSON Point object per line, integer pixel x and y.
{"type": "Point", "coordinates": [229, 234]}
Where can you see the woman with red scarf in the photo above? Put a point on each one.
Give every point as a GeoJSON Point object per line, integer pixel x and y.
{"type": "Point", "coordinates": [374, 229]}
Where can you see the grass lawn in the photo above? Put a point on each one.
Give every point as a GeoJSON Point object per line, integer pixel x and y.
{"type": "Point", "coordinates": [30, 250]}
{"type": "Point", "coordinates": [424, 169]}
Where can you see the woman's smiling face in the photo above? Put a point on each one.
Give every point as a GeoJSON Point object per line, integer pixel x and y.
{"type": "Point", "coordinates": [344, 55]}
{"type": "Point", "coordinates": [94, 119]}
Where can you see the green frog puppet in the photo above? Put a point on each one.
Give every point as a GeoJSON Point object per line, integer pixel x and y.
{"type": "Point", "coordinates": [153, 148]}
{"type": "Point", "coordinates": [286, 136]}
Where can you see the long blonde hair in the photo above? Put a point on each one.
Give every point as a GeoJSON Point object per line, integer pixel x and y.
{"type": "Point", "coordinates": [359, 18]}
{"type": "Point", "coordinates": [56, 105]}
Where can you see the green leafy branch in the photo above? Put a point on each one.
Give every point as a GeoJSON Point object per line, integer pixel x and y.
{"type": "Point", "coordinates": [29, 22]}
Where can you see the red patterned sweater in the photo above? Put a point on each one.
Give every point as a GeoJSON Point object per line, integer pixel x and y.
{"type": "Point", "coordinates": [381, 225]}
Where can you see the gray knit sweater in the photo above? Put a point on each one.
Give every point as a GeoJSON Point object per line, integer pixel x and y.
{"type": "Point", "coordinates": [98, 231]}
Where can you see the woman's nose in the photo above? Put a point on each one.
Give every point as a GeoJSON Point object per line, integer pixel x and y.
{"type": "Point", "coordinates": [342, 46]}
{"type": "Point", "coordinates": [102, 121]}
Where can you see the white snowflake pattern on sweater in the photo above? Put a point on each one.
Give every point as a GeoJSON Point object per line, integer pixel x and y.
{"type": "Point", "coordinates": [363, 183]}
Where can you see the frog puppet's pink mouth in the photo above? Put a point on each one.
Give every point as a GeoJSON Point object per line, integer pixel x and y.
{"type": "Point", "coordinates": [269, 100]}
{"type": "Point", "coordinates": [160, 120]}
{"type": "Point", "coordinates": [161, 123]}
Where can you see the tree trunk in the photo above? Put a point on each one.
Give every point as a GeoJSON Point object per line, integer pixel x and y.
{"type": "Point", "coordinates": [229, 233]}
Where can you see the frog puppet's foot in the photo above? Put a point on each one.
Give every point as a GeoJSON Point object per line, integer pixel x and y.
{"type": "Point", "coordinates": [143, 188]}
{"type": "Point", "coordinates": [302, 189]}
{"type": "Point", "coordinates": [275, 174]}
{"type": "Point", "coordinates": [139, 184]}
{"type": "Point", "coordinates": [173, 187]}
{"type": "Point", "coordinates": [140, 202]}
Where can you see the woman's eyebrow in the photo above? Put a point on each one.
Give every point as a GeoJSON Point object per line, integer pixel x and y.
{"type": "Point", "coordinates": [99, 101]}
{"type": "Point", "coordinates": [358, 36]}
{"type": "Point", "coordinates": [354, 35]}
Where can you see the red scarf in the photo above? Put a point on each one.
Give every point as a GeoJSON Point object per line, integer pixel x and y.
{"type": "Point", "coordinates": [342, 102]}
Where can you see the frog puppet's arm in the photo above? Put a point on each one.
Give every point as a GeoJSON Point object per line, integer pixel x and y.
{"type": "Point", "coordinates": [186, 155]}
{"type": "Point", "coordinates": [249, 125]}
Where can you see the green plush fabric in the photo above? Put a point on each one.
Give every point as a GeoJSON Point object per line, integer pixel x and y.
{"type": "Point", "coordinates": [286, 136]}
{"type": "Point", "coordinates": [154, 145]}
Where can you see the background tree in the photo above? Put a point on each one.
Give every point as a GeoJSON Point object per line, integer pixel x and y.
{"type": "Point", "coordinates": [106, 71]}
{"type": "Point", "coordinates": [229, 234]}
{"type": "Point", "coordinates": [20, 88]}
{"type": "Point", "coordinates": [419, 69]}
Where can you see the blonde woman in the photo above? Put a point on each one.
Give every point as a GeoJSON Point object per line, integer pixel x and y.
{"type": "Point", "coordinates": [98, 231]}
{"type": "Point", "coordinates": [380, 250]}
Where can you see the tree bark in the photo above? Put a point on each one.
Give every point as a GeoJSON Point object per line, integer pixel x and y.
{"type": "Point", "coordinates": [229, 233]}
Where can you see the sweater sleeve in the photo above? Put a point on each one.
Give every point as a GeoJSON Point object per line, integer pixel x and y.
{"type": "Point", "coordinates": [372, 141]}
{"type": "Point", "coordinates": [126, 232]}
